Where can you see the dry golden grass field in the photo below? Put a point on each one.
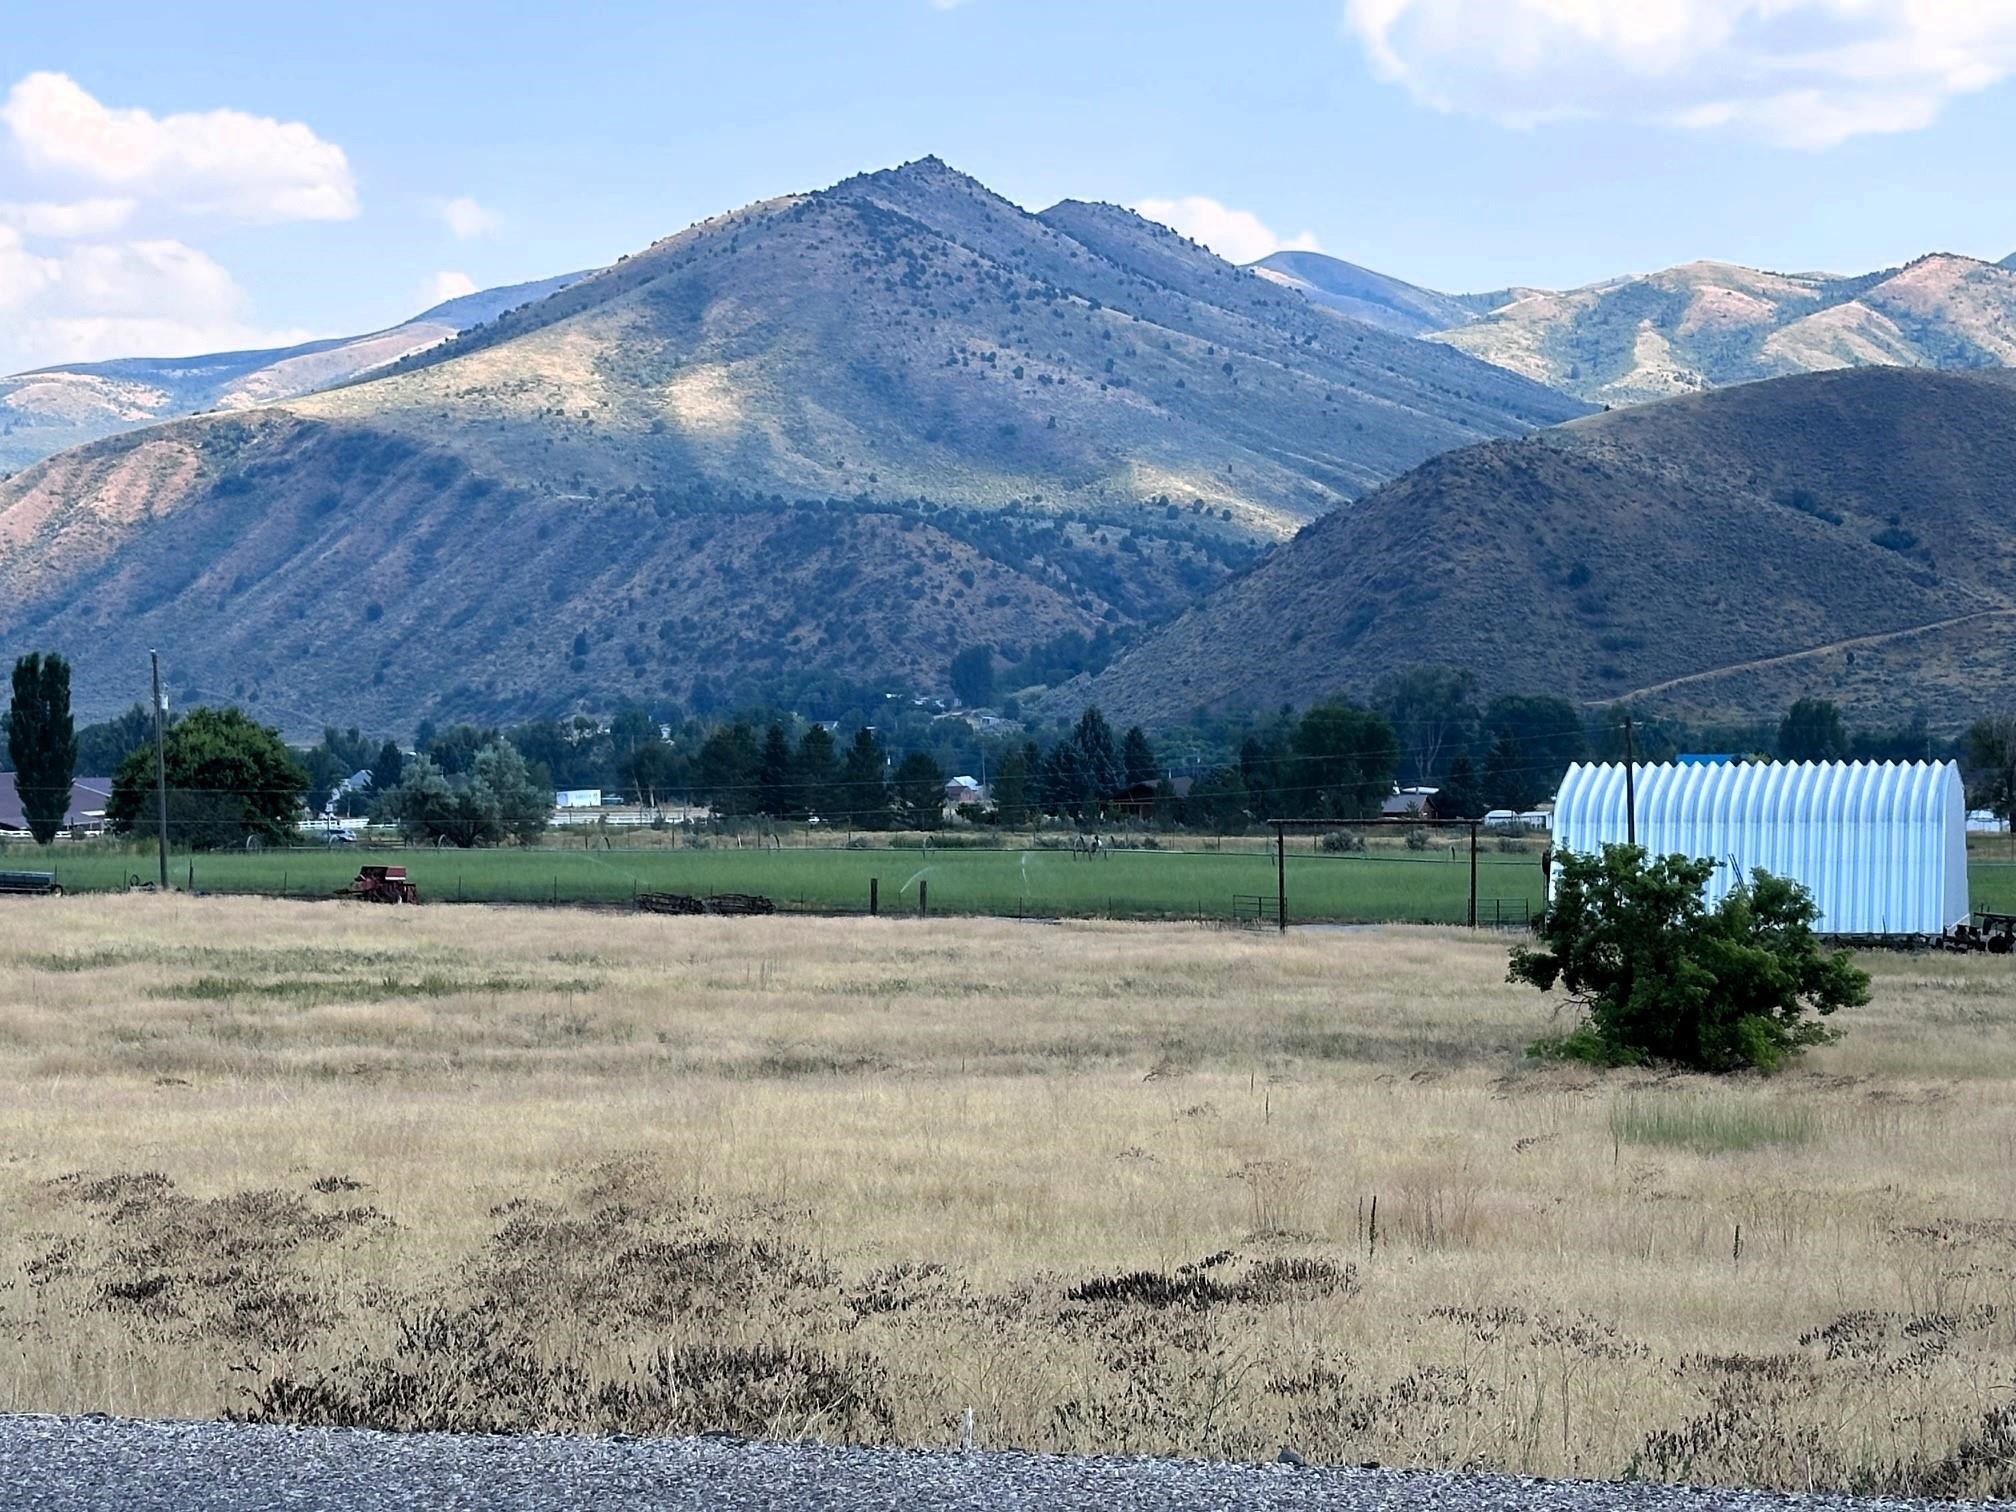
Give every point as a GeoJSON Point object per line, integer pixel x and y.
{"type": "Point", "coordinates": [1110, 1186]}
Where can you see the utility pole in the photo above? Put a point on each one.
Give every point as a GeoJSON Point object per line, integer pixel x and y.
{"type": "Point", "coordinates": [1630, 787]}
{"type": "Point", "coordinates": [1281, 875]}
{"type": "Point", "coordinates": [160, 767]}
{"type": "Point", "coordinates": [1473, 873]}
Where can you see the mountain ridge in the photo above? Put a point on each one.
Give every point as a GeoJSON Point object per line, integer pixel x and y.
{"type": "Point", "coordinates": [1364, 294]}
{"type": "Point", "coordinates": [1719, 555]}
{"type": "Point", "coordinates": [856, 430]}
{"type": "Point", "coordinates": [1698, 325]}
{"type": "Point", "coordinates": [48, 409]}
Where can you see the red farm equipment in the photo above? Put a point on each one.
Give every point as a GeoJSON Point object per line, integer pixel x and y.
{"type": "Point", "coordinates": [381, 884]}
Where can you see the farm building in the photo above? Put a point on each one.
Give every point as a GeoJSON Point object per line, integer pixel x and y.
{"type": "Point", "coordinates": [86, 813]}
{"type": "Point", "coordinates": [1882, 847]}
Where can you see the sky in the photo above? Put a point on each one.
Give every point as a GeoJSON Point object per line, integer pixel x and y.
{"type": "Point", "coordinates": [176, 179]}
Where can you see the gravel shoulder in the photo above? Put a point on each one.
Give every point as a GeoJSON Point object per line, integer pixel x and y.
{"type": "Point", "coordinates": [57, 1464]}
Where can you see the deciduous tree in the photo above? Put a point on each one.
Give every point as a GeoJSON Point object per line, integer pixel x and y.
{"type": "Point", "coordinates": [1661, 977]}
{"type": "Point", "coordinates": [230, 779]}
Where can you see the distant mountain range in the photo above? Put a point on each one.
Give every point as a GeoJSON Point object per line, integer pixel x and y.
{"type": "Point", "coordinates": [858, 429]}
{"type": "Point", "coordinates": [1848, 535]}
{"type": "Point", "coordinates": [1374, 297]}
{"type": "Point", "coordinates": [1693, 328]}
{"type": "Point", "coordinates": [43, 412]}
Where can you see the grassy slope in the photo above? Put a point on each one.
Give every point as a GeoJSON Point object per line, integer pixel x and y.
{"type": "Point", "coordinates": [1621, 552]}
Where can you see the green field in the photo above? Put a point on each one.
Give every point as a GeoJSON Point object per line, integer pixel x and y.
{"type": "Point", "coordinates": [1168, 883]}
{"type": "Point", "coordinates": [1040, 883]}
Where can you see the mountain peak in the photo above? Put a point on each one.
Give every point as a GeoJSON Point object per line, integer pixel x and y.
{"type": "Point", "coordinates": [919, 416]}
{"type": "Point", "coordinates": [927, 174]}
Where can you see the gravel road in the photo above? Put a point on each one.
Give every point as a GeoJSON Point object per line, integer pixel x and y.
{"type": "Point", "coordinates": [57, 1464]}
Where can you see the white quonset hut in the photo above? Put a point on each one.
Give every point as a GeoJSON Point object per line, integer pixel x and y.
{"type": "Point", "coordinates": [1882, 847]}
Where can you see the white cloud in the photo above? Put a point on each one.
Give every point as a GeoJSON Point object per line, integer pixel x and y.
{"type": "Point", "coordinates": [466, 218]}
{"type": "Point", "coordinates": [216, 162]}
{"type": "Point", "coordinates": [67, 221]}
{"type": "Point", "coordinates": [91, 301]}
{"type": "Point", "coordinates": [23, 275]}
{"type": "Point", "coordinates": [1800, 73]}
{"type": "Point", "coordinates": [1238, 236]}
{"type": "Point", "coordinates": [95, 202]}
{"type": "Point", "coordinates": [443, 287]}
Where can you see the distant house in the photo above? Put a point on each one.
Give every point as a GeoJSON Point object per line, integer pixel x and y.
{"type": "Point", "coordinates": [567, 798]}
{"type": "Point", "coordinates": [358, 782]}
{"type": "Point", "coordinates": [1410, 800]}
{"type": "Point", "coordinates": [1137, 801]}
{"type": "Point", "coordinates": [964, 789]}
{"type": "Point", "coordinates": [85, 815]}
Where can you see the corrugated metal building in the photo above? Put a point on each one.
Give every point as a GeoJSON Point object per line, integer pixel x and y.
{"type": "Point", "coordinates": [1882, 847]}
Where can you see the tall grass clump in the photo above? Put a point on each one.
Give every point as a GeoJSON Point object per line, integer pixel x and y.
{"type": "Point", "coordinates": [1707, 1125]}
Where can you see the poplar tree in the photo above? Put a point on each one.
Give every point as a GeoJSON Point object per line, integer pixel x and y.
{"type": "Point", "coordinates": [42, 742]}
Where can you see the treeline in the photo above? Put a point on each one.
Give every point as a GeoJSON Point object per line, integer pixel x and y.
{"type": "Point", "coordinates": [886, 762]}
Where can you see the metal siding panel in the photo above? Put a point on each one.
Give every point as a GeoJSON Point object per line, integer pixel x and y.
{"type": "Point", "coordinates": [1900, 876]}
{"type": "Point", "coordinates": [1953, 822]}
{"type": "Point", "coordinates": [1827, 854]}
{"type": "Point", "coordinates": [1886, 886]}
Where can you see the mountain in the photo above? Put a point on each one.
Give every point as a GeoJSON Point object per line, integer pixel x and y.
{"type": "Point", "coordinates": [1369, 296]}
{"type": "Point", "coordinates": [51, 408]}
{"type": "Point", "coordinates": [1846, 534]}
{"type": "Point", "coordinates": [857, 429]}
{"type": "Point", "coordinates": [1709, 324]}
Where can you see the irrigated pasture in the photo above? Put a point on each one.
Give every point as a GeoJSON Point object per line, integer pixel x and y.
{"type": "Point", "coordinates": [1112, 1186]}
{"type": "Point", "coordinates": [1394, 885]}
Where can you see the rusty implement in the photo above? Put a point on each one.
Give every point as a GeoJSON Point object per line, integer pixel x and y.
{"type": "Point", "coordinates": [381, 884]}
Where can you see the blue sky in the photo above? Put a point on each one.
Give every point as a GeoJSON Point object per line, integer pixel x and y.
{"type": "Point", "coordinates": [275, 171]}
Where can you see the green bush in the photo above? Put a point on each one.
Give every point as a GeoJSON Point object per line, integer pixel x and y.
{"type": "Point", "coordinates": [1660, 977]}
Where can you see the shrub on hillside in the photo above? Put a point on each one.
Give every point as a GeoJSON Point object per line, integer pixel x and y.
{"type": "Point", "coordinates": [1343, 842]}
{"type": "Point", "coordinates": [1661, 977]}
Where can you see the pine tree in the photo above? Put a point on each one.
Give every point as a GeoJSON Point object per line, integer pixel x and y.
{"type": "Point", "coordinates": [864, 795]}
{"type": "Point", "coordinates": [1458, 797]}
{"type": "Point", "coordinates": [387, 769]}
{"type": "Point", "coordinates": [1137, 756]}
{"type": "Point", "coordinates": [920, 792]}
{"type": "Point", "coordinates": [1101, 771]}
{"type": "Point", "coordinates": [42, 742]}
{"type": "Point", "coordinates": [775, 793]}
{"type": "Point", "coordinates": [1011, 789]}
{"type": "Point", "coordinates": [814, 770]}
